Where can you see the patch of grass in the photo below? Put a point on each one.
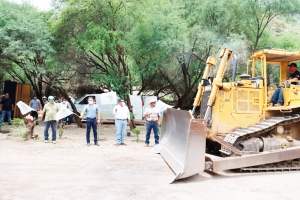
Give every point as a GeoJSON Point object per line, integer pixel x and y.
{"type": "Point", "coordinates": [19, 128]}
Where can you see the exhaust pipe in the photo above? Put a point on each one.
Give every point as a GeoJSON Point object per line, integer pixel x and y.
{"type": "Point", "coordinates": [235, 61]}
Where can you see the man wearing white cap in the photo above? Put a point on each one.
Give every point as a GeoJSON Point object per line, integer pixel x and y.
{"type": "Point", "coordinates": [45, 100]}
{"type": "Point", "coordinates": [50, 109]}
{"type": "Point", "coordinates": [152, 118]}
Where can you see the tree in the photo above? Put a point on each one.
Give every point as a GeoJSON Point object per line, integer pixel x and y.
{"type": "Point", "coordinates": [97, 29]}
{"type": "Point", "coordinates": [25, 49]}
{"type": "Point", "coordinates": [261, 13]}
{"type": "Point", "coordinates": [25, 44]}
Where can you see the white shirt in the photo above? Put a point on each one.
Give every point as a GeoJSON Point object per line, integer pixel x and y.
{"type": "Point", "coordinates": [122, 112]}
{"type": "Point", "coordinates": [153, 116]}
{"type": "Point", "coordinates": [62, 105]}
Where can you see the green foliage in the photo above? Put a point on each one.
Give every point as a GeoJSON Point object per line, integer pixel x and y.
{"type": "Point", "coordinates": [159, 46]}
{"type": "Point", "coordinates": [18, 122]}
{"type": "Point", "coordinates": [19, 127]}
{"type": "Point", "coordinates": [137, 131]}
{"type": "Point", "coordinates": [132, 117]}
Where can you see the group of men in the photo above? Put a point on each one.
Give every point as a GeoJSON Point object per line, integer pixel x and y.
{"type": "Point", "coordinates": [51, 107]}
{"type": "Point", "coordinates": [35, 104]}
{"type": "Point", "coordinates": [122, 118]}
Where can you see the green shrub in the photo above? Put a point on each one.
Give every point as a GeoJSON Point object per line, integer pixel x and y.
{"type": "Point", "coordinates": [137, 131]}
{"type": "Point", "coordinates": [19, 127]}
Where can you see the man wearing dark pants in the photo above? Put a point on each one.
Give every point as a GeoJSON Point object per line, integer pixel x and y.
{"type": "Point", "coordinates": [50, 109]}
{"type": "Point", "coordinates": [92, 113]}
{"type": "Point", "coordinates": [152, 118]}
{"type": "Point", "coordinates": [6, 106]}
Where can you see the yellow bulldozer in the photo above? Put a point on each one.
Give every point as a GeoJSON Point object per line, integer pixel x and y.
{"type": "Point", "coordinates": [238, 127]}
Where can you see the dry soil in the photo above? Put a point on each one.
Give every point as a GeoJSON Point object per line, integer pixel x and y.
{"type": "Point", "coordinates": [71, 170]}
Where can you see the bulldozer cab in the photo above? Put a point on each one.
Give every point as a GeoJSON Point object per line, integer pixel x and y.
{"type": "Point", "coordinates": [274, 62]}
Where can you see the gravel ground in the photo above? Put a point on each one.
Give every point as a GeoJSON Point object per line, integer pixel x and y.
{"type": "Point", "coordinates": [71, 170]}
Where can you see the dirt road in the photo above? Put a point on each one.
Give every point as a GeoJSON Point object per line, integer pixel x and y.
{"type": "Point", "coordinates": [71, 170]}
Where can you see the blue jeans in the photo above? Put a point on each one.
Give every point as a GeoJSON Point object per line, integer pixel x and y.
{"type": "Point", "coordinates": [4, 113]}
{"type": "Point", "coordinates": [70, 119]}
{"type": "Point", "coordinates": [154, 126]}
{"type": "Point", "coordinates": [91, 123]}
{"type": "Point", "coordinates": [51, 123]}
{"type": "Point", "coordinates": [277, 97]}
{"type": "Point", "coordinates": [120, 130]}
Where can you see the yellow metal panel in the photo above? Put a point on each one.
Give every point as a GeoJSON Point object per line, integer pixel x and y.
{"type": "Point", "coordinates": [283, 71]}
{"type": "Point", "coordinates": [276, 55]}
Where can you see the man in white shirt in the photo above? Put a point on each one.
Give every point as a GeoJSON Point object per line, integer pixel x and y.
{"type": "Point", "coordinates": [152, 118]}
{"type": "Point", "coordinates": [60, 104]}
{"type": "Point", "coordinates": [70, 117]}
{"type": "Point", "coordinates": [122, 116]}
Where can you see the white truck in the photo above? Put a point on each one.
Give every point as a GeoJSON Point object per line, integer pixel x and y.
{"type": "Point", "coordinates": [139, 103]}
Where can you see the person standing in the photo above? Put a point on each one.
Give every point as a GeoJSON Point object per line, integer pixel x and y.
{"type": "Point", "coordinates": [6, 106]}
{"type": "Point", "coordinates": [50, 109]}
{"type": "Point", "coordinates": [45, 100]}
{"type": "Point", "coordinates": [152, 118]}
{"type": "Point", "coordinates": [122, 116]}
{"type": "Point", "coordinates": [37, 106]}
{"type": "Point", "coordinates": [92, 113]}
{"type": "Point", "coordinates": [70, 117]}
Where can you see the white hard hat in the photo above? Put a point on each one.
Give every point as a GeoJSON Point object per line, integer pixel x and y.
{"type": "Point", "coordinates": [152, 100]}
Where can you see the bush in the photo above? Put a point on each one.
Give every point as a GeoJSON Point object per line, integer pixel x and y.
{"type": "Point", "coordinates": [137, 131]}
{"type": "Point", "coordinates": [19, 127]}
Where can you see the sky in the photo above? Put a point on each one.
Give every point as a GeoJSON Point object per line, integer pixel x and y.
{"type": "Point", "coordinates": [42, 5]}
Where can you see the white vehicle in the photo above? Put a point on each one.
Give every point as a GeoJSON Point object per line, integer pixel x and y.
{"type": "Point", "coordinates": [139, 103]}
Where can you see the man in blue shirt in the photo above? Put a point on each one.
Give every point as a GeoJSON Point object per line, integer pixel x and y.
{"type": "Point", "coordinates": [92, 113]}
{"type": "Point", "coordinates": [37, 106]}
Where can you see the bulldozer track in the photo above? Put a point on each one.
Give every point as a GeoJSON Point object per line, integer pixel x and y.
{"type": "Point", "coordinates": [262, 169]}
{"type": "Point", "coordinates": [235, 137]}
{"type": "Point", "coordinates": [257, 130]}
{"type": "Point", "coordinates": [274, 167]}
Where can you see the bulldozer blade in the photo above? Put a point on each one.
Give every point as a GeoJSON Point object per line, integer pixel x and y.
{"type": "Point", "coordinates": [182, 143]}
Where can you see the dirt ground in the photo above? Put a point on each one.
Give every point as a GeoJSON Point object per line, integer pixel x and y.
{"type": "Point", "coordinates": [71, 170]}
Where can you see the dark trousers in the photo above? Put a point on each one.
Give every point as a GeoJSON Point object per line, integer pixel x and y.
{"type": "Point", "coordinates": [91, 123]}
{"type": "Point", "coordinates": [70, 119]}
{"type": "Point", "coordinates": [34, 114]}
{"type": "Point", "coordinates": [154, 126]}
